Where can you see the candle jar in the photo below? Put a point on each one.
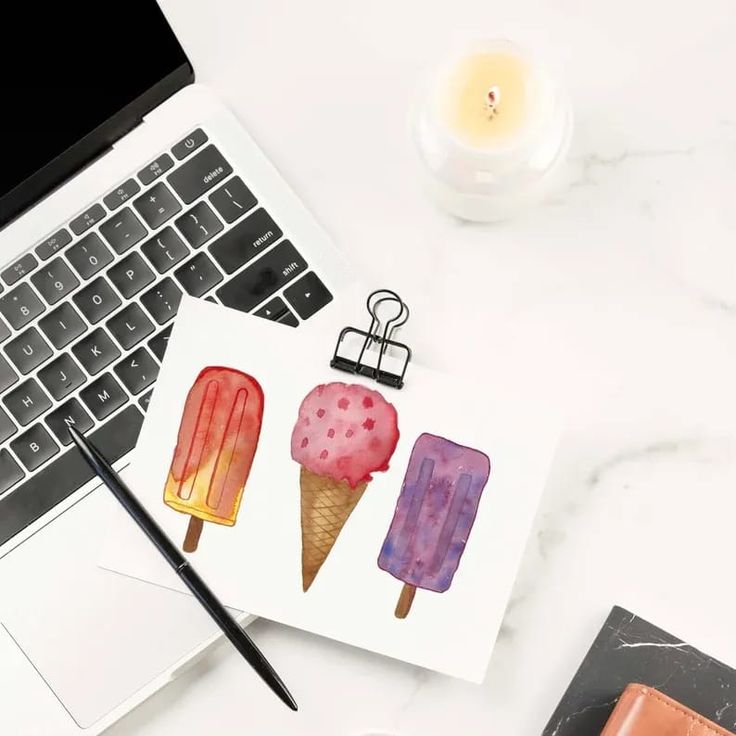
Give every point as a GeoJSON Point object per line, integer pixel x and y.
{"type": "Point", "coordinates": [492, 128]}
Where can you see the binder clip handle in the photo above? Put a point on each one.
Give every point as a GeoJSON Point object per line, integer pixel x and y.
{"type": "Point", "coordinates": [372, 338]}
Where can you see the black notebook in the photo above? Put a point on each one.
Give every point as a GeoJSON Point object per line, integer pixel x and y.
{"type": "Point", "coordinates": [630, 649]}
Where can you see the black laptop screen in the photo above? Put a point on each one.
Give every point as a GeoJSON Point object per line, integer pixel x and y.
{"type": "Point", "coordinates": [69, 68]}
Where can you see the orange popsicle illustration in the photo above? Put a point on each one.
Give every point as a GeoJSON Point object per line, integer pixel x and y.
{"type": "Point", "coordinates": [218, 437]}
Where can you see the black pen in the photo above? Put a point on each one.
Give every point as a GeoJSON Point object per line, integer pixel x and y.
{"type": "Point", "coordinates": [229, 626]}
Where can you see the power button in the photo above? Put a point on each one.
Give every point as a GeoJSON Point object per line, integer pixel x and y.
{"type": "Point", "coordinates": [191, 143]}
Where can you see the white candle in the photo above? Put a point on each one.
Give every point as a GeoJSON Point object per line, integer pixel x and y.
{"type": "Point", "coordinates": [492, 129]}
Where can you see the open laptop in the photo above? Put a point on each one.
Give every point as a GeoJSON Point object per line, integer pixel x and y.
{"type": "Point", "coordinates": [123, 185]}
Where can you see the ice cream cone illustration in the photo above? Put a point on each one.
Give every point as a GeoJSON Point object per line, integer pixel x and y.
{"type": "Point", "coordinates": [218, 437]}
{"type": "Point", "coordinates": [344, 433]}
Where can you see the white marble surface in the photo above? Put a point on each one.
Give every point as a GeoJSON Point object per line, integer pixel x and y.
{"type": "Point", "coordinates": [622, 292]}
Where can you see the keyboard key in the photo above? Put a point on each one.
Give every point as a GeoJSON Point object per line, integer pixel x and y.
{"type": "Point", "coordinates": [28, 350]}
{"type": "Point", "coordinates": [144, 401]}
{"type": "Point", "coordinates": [233, 199]}
{"type": "Point", "coordinates": [87, 219]}
{"type": "Point", "coordinates": [198, 275]}
{"type": "Point", "coordinates": [130, 326]}
{"type": "Point", "coordinates": [4, 331]}
{"type": "Point", "coordinates": [20, 306]}
{"type": "Point", "coordinates": [191, 143]}
{"type": "Point", "coordinates": [69, 414]}
{"type": "Point", "coordinates": [162, 301]}
{"type": "Point", "coordinates": [199, 225]}
{"type": "Point", "coordinates": [137, 370]}
{"type": "Point", "coordinates": [24, 265]}
{"type": "Point", "coordinates": [165, 250]}
{"type": "Point", "coordinates": [103, 396]}
{"type": "Point", "coordinates": [89, 255]}
{"type": "Point", "coordinates": [158, 344]}
{"type": "Point", "coordinates": [157, 205]}
{"type": "Point", "coordinates": [245, 241]}
{"type": "Point", "coordinates": [27, 402]}
{"type": "Point", "coordinates": [123, 230]}
{"type": "Point", "coordinates": [97, 300]}
{"type": "Point", "coordinates": [10, 472]}
{"type": "Point", "coordinates": [62, 325]}
{"type": "Point", "coordinates": [53, 244]}
{"type": "Point", "coordinates": [34, 447]}
{"type": "Point", "coordinates": [277, 311]}
{"type": "Point", "coordinates": [55, 280]}
{"type": "Point", "coordinates": [122, 194]}
{"type": "Point", "coordinates": [130, 275]}
{"type": "Point", "coordinates": [62, 376]}
{"type": "Point", "coordinates": [7, 429]}
{"type": "Point", "coordinates": [202, 172]}
{"type": "Point", "coordinates": [7, 375]}
{"type": "Point", "coordinates": [267, 275]}
{"type": "Point", "coordinates": [308, 295]}
{"type": "Point", "coordinates": [152, 172]}
{"type": "Point", "coordinates": [66, 474]}
{"type": "Point", "coordinates": [96, 351]}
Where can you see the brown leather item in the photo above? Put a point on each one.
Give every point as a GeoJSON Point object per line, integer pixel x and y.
{"type": "Point", "coordinates": [643, 711]}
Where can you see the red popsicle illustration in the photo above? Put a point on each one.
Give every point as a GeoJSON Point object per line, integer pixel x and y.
{"type": "Point", "coordinates": [434, 515]}
{"type": "Point", "coordinates": [218, 437]}
{"type": "Point", "coordinates": [344, 433]}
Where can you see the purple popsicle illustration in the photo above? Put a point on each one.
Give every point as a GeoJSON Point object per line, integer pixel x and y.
{"type": "Point", "coordinates": [434, 515]}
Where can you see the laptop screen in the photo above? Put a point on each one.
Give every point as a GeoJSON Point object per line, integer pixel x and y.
{"type": "Point", "coordinates": [68, 69]}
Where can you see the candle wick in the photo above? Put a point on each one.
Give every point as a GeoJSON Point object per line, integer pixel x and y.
{"type": "Point", "coordinates": [492, 100]}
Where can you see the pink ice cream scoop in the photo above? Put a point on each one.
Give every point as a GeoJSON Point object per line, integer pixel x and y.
{"type": "Point", "coordinates": [344, 432]}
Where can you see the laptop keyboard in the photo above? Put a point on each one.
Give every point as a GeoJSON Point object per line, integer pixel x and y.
{"type": "Point", "coordinates": [86, 314]}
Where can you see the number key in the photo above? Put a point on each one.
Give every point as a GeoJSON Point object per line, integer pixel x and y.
{"type": "Point", "coordinates": [89, 255]}
{"type": "Point", "coordinates": [55, 280]}
{"type": "Point", "coordinates": [20, 306]}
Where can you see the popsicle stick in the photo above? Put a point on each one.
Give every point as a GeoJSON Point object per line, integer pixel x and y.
{"type": "Point", "coordinates": [194, 531]}
{"type": "Point", "coordinates": [405, 600]}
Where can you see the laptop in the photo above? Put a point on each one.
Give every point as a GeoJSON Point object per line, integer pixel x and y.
{"type": "Point", "coordinates": [123, 186]}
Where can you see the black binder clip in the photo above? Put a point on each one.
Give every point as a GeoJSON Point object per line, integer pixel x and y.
{"type": "Point", "coordinates": [372, 339]}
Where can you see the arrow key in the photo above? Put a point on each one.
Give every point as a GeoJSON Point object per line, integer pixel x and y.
{"type": "Point", "coordinates": [277, 311]}
{"type": "Point", "coordinates": [137, 371]}
{"type": "Point", "coordinates": [308, 295]}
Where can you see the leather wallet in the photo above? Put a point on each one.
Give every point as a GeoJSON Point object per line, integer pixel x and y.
{"type": "Point", "coordinates": [644, 711]}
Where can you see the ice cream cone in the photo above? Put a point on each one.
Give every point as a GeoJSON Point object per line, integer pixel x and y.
{"type": "Point", "coordinates": [326, 506]}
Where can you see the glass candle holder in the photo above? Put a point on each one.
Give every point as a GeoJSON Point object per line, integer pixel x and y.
{"type": "Point", "coordinates": [492, 128]}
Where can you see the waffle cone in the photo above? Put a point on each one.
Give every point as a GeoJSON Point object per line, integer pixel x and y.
{"type": "Point", "coordinates": [326, 506]}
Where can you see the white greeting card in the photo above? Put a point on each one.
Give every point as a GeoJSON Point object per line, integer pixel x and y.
{"type": "Point", "coordinates": [393, 520]}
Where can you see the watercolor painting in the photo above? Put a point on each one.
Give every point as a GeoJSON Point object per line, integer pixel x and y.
{"type": "Point", "coordinates": [434, 515]}
{"type": "Point", "coordinates": [344, 433]}
{"type": "Point", "coordinates": [216, 444]}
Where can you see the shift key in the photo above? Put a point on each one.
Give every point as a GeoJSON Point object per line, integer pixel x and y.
{"type": "Point", "coordinates": [268, 274]}
{"type": "Point", "coordinates": [202, 172]}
